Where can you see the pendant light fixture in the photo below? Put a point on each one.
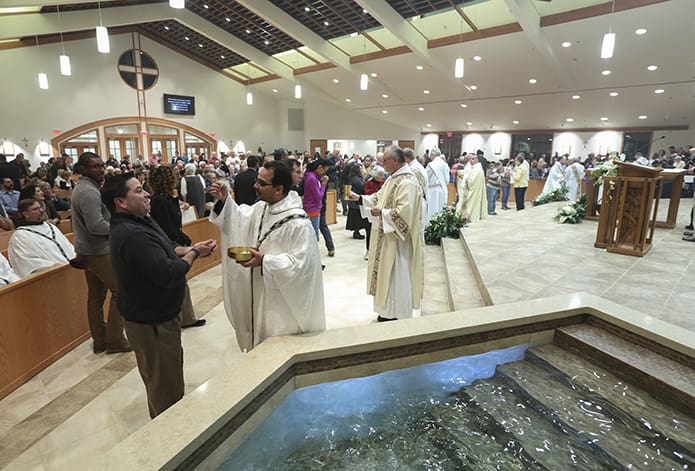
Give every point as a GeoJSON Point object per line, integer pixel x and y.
{"type": "Point", "coordinates": [43, 78]}
{"type": "Point", "coordinates": [458, 65]}
{"type": "Point", "coordinates": [249, 94]}
{"type": "Point", "coordinates": [297, 87]}
{"type": "Point", "coordinates": [178, 4]}
{"type": "Point", "coordinates": [103, 45]}
{"type": "Point", "coordinates": [364, 78]}
{"type": "Point", "coordinates": [608, 43]}
{"type": "Point", "coordinates": [64, 59]}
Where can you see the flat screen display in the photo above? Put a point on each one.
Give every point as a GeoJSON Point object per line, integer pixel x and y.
{"type": "Point", "coordinates": [179, 104]}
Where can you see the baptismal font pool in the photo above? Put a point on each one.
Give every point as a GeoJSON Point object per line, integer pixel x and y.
{"type": "Point", "coordinates": [538, 408]}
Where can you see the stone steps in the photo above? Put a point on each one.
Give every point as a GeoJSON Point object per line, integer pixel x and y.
{"type": "Point", "coordinates": [607, 429]}
{"type": "Point", "coordinates": [543, 440]}
{"type": "Point", "coordinates": [670, 380]}
{"type": "Point", "coordinates": [435, 296]}
{"type": "Point", "coordinates": [465, 289]}
{"type": "Point", "coordinates": [586, 376]}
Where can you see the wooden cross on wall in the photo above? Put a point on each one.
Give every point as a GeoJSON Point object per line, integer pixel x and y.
{"type": "Point", "coordinates": [26, 142]}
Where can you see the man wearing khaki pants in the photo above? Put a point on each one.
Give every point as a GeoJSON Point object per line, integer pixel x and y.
{"type": "Point", "coordinates": [90, 225]}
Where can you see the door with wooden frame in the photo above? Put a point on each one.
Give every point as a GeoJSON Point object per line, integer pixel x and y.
{"type": "Point", "coordinates": [408, 144]}
{"type": "Point", "coordinates": [318, 145]}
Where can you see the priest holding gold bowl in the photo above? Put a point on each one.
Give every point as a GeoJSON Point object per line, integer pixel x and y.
{"type": "Point", "coordinates": [272, 278]}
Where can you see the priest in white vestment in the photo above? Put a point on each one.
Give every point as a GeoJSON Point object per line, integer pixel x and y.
{"type": "Point", "coordinates": [280, 290]}
{"type": "Point", "coordinates": [575, 175]}
{"type": "Point", "coordinates": [421, 175]}
{"type": "Point", "coordinates": [475, 205]}
{"type": "Point", "coordinates": [461, 174]}
{"type": "Point", "coordinates": [7, 274]}
{"type": "Point", "coordinates": [37, 245]}
{"type": "Point", "coordinates": [437, 183]}
{"type": "Point", "coordinates": [395, 269]}
{"type": "Point", "coordinates": [556, 178]}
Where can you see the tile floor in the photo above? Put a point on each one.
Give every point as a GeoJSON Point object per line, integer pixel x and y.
{"type": "Point", "coordinates": [84, 404]}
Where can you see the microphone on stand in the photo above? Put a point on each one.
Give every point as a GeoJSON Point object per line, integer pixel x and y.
{"type": "Point", "coordinates": [649, 144]}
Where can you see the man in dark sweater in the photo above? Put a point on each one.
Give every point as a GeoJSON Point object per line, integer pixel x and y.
{"type": "Point", "coordinates": [244, 192]}
{"type": "Point", "coordinates": [151, 276]}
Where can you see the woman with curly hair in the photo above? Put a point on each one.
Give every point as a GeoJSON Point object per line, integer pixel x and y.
{"type": "Point", "coordinates": [165, 209]}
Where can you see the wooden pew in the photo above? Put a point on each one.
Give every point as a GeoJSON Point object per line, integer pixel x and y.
{"type": "Point", "coordinates": [199, 230]}
{"type": "Point", "coordinates": [65, 226]}
{"type": "Point", "coordinates": [67, 214]}
{"type": "Point", "coordinates": [44, 316]}
{"type": "Point", "coordinates": [65, 194]}
{"type": "Point", "coordinates": [5, 237]}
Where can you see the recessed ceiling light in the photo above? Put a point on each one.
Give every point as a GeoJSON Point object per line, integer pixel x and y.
{"type": "Point", "coordinates": [606, 72]}
{"type": "Point", "coordinates": [603, 118]}
{"type": "Point", "coordinates": [640, 31]}
{"type": "Point", "coordinates": [532, 80]}
{"type": "Point", "coordinates": [206, 6]}
{"type": "Point", "coordinates": [307, 9]}
{"type": "Point", "coordinates": [222, 57]}
{"type": "Point", "coordinates": [576, 97]}
{"type": "Point", "coordinates": [186, 38]}
{"type": "Point", "coordinates": [659, 91]}
{"type": "Point", "coordinates": [477, 58]}
{"type": "Point", "coordinates": [652, 67]}
{"type": "Point", "coordinates": [463, 105]}
{"type": "Point", "coordinates": [373, 74]}
{"type": "Point", "coordinates": [348, 100]}
{"type": "Point", "coordinates": [566, 44]}
{"type": "Point", "coordinates": [275, 90]}
{"type": "Point", "coordinates": [384, 95]}
{"type": "Point", "coordinates": [419, 67]}
{"type": "Point", "coordinates": [429, 125]}
{"type": "Point", "coordinates": [336, 80]}
{"type": "Point", "coordinates": [642, 116]}
{"type": "Point", "coordinates": [384, 111]}
{"type": "Point", "coordinates": [227, 19]}
{"type": "Point", "coordinates": [420, 108]}
{"type": "Point", "coordinates": [515, 122]}
{"type": "Point", "coordinates": [248, 31]}
{"type": "Point", "coordinates": [166, 28]}
{"type": "Point", "coordinates": [426, 92]}
{"type": "Point", "coordinates": [613, 93]}
{"type": "Point", "coordinates": [517, 102]}
{"type": "Point", "coordinates": [266, 42]}
{"type": "Point", "coordinates": [474, 87]}
{"type": "Point", "coordinates": [364, 10]}
{"type": "Point", "coordinates": [200, 45]}
{"type": "Point", "coordinates": [326, 23]}
{"type": "Point", "coordinates": [468, 123]}
{"type": "Point", "coordinates": [570, 120]}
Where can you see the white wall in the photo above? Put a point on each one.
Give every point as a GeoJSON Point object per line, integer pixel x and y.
{"type": "Point", "coordinates": [95, 91]}
{"type": "Point", "coordinates": [671, 138]}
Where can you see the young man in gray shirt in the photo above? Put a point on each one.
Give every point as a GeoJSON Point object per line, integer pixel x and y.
{"type": "Point", "coordinates": [90, 225]}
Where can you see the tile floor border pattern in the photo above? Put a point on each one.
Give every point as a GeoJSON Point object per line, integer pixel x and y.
{"type": "Point", "coordinates": [659, 284]}
{"type": "Point", "coordinates": [40, 423]}
{"type": "Point", "coordinates": [31, 429]}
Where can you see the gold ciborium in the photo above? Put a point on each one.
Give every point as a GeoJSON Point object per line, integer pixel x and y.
{"type": "Point", "coordinates": [240, 253]}
{"type": "Point", "coordinates": [347, 189]}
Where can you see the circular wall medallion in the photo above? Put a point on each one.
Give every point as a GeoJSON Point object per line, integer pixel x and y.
{"type": "Point", "coordinates": [138, 69]}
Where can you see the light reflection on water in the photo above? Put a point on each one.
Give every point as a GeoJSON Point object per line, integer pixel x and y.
{"type": "Point", "coordinates": [435, 417]}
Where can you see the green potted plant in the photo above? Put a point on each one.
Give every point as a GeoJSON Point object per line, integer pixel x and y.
{"type": "Point", "coordinates": [445, 223]}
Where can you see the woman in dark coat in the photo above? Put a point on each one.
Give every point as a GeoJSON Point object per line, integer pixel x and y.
{"type": "Point", "coordinates": [165, 209]}
{"type": "Point", "coordinates": [355, 221]}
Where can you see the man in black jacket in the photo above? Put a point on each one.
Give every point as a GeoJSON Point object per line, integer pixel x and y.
{"type": "Point", "coordinates": [244, 192]}
{"type": "Point", "coordinates": [151, 276]}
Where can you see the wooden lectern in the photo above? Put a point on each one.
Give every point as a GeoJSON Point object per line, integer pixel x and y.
{"type": "Point", "coordinates": [628, 210]}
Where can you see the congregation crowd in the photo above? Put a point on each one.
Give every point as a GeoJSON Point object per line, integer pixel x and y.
{"type": "Point", "coordinates": [128, 236]}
